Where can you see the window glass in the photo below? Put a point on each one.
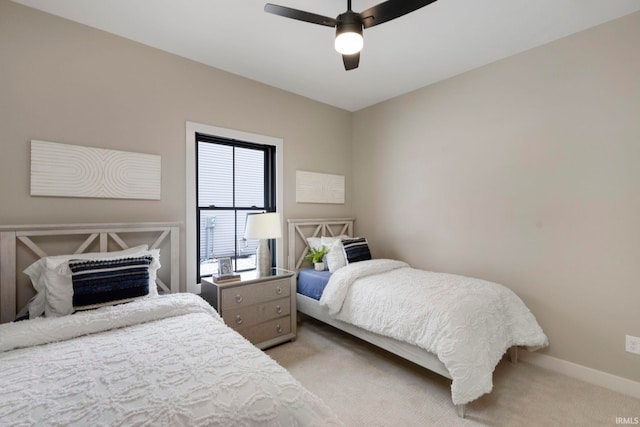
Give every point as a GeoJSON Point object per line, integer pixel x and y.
{"type": "Point", "coordinates": [249, 177]}
{"type": "Point", "coordinates": [215, 174]}
{"type": "Point", "coordinates": [231, 179]}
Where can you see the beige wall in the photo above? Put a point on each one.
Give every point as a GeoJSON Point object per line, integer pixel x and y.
{"type": "Point", "coordinates": [525, 172]}
{"type": "Point", "coordinates": [64, 82]}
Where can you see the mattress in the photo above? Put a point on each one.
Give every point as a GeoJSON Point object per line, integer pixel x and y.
{"type": "Point", "coordinates": [168, 360]}
{"type": "Point", "coordinates": [311, 282]}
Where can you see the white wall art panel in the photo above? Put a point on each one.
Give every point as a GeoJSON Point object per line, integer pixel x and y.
{"type": "Point", "coordinates": [75, 171]}
{"type": "Point", "coordinates": [314, 187]}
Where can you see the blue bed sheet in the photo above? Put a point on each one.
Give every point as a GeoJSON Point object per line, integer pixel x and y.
{"type": "Point", "coordinates": [312, 282]}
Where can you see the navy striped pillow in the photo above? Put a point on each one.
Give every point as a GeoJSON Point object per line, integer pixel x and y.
{"type": "Point", "coordinates": [356, 249]}
{"type": "Point", "coordinates": [101, 281]}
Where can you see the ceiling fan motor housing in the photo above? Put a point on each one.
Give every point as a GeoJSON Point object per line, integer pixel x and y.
{"type": "Point", "coordinates": [349, 27]}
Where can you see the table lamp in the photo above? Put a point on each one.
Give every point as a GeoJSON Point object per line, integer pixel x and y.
{"type": "Point", "coordinates": [263, 226]}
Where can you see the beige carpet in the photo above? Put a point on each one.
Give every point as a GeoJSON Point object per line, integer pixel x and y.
{"type": "Point", "coordinates": [366, 386]}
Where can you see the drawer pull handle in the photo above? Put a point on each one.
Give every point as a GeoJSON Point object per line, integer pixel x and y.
{"type": "Point", "coordinates": [238, 319]}
{"type": "Point", "coordinates": [278, 290]}
{"type": "Point", "coordinates": [278, 309]}
{"type": "Point", "coordinates": [279, 328]}
{"type": "Point", "coordinates": [239, 298]}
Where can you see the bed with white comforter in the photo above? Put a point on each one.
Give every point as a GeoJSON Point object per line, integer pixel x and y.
{"type": "Point", "coordinates": [468, 323]}
{"type": "Point", "coordinates": [163, 361]}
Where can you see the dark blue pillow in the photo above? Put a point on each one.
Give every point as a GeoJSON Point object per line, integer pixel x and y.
{"type": "Point", "coordinates": [101, 281]}
{"type": "Point", "coordinates": [356, 249]}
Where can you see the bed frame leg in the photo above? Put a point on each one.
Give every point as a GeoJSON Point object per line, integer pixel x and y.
{"type": "Point", "coordinates": [513, 354]}
{"type": "Point", "coordinates": [460, 409]}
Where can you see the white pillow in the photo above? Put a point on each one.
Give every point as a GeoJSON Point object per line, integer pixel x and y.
{"type": "Point", "coordinates": [314, 242]}
{"type": "Point", "coordinates": [325, 240]}
{"type": "Point", "coordinates": [36, 273]}
{"type": "Point", "coordinates": [335, 257]}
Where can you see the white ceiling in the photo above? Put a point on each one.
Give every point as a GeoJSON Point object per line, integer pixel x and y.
{"type": "Point", "coordinates": [438, 41]}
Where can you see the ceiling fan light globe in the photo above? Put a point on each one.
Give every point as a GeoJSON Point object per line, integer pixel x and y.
{"type": "Point", "coordinates": [348, 43]}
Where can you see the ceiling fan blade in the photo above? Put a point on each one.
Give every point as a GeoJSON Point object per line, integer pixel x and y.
{"type": "Point", "coordinates": [300, 15]}
{"type": "Point", "coordinates": [351, 61]}
{"type": "Point", "coordinates": [390, 9]}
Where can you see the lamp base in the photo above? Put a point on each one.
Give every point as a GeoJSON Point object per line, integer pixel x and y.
{"type": "Point", "coordinates": [263, 258]}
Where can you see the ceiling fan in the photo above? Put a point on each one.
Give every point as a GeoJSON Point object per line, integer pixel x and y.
{"type": "Point", "coordinates": [349, 25]}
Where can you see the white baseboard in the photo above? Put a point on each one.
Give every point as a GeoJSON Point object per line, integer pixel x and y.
{"type": "Point", "coordinates": [583, 373]}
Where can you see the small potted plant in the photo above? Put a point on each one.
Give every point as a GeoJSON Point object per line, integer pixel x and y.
{"type": "Point", "coordinates": [316, 255]}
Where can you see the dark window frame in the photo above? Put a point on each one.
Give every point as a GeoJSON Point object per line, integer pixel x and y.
{"type": "Point", "coordinates": [269, 188]}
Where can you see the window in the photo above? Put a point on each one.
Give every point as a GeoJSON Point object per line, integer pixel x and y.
{"type": "Point", "coordinates": [246, 146]}
{"type": "Point", "coordinates": [234, 179]}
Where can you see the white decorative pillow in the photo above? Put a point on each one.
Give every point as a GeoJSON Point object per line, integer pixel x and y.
{"type": "Point", "coordinates": [335, 257]}
{"type": "Point", "coordinates": [36, 273]}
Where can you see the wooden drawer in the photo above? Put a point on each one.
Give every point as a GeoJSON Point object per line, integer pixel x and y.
{"type": "Point", "coordinates": [243, 317]}
{"type": "Point", "coordinates": [268, 330]}
{"type": "Point", "coordinates": [242, 296]}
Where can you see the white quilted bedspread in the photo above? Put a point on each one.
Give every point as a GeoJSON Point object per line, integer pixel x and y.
{"type": "Point", "coordinates": [468, 323]}
{"type": "Point", "coordinates": [165, 361]}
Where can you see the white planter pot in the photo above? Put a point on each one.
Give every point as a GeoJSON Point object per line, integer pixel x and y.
{"type": "Point", "coordinates": [319, 266]}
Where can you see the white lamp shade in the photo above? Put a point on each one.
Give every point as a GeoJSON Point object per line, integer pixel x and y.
{"type": "Point", "coordinates": [263, 226]}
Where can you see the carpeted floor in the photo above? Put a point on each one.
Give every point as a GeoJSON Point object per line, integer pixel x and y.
{"type": "Point", "coordinates": [366, 386]}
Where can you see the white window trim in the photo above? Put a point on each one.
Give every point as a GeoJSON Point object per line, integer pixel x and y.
{"type": "Point", "coordinates": [190, 232]}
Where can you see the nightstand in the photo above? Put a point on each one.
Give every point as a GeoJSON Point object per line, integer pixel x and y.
{"type": "Point", "coordinates": [261, 308]}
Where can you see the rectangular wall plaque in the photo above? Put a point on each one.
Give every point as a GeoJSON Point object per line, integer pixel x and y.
{"type": "Point", "coordinates": [314, 187]}
{"type": "Point", "coordinates": [74, 171]}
